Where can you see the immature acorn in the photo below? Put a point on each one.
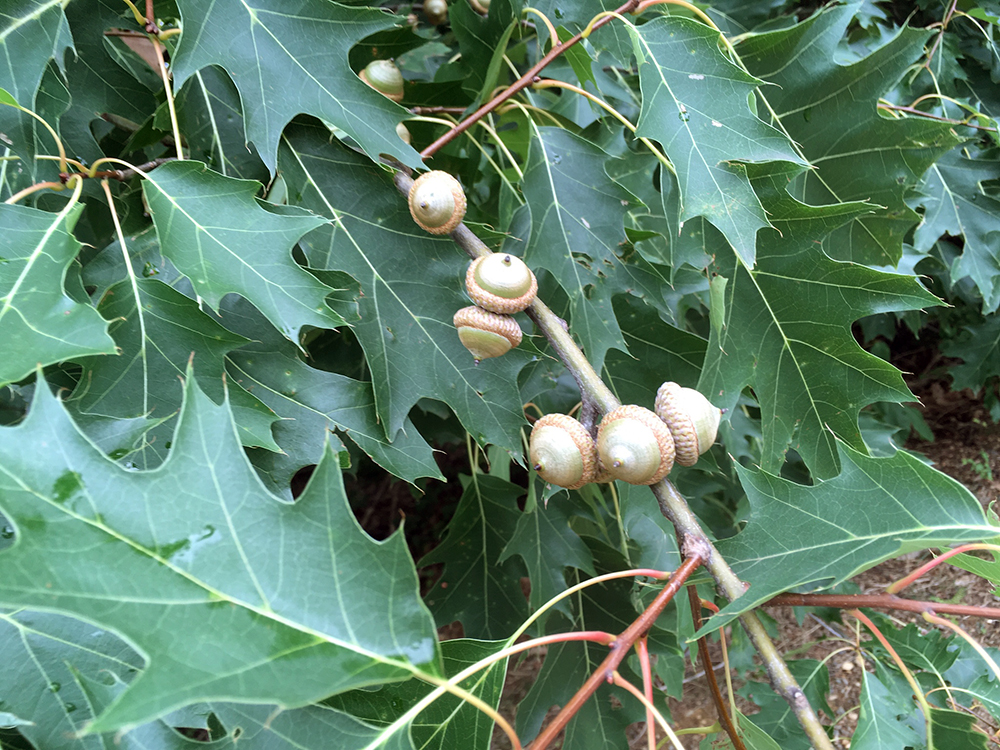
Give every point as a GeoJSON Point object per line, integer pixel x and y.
{"type": "Point", "coordinates": [501, 283]}
{"type": "Point", "coordinates": [692, 420]}
{"type": "Point", "coordinates": [480, 6]}
{"type": "Point", "coordinates": [634, 445]}
{"type": "Point", "coordinates": [403, 132]}
{"type": "Point", "coordinates": [385, 78]}
{"type": "Point", "coordinates": [562, 451]}
{"type": "Point", "coordinates": [436, 11]}
{"type": "Point", "coordinates": [437, 202]}
{"type": "Point", "coordinates": [486, 334]}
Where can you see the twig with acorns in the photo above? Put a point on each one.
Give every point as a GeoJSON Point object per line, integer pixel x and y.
{"type": "Point", "coordinates": [632, 444]}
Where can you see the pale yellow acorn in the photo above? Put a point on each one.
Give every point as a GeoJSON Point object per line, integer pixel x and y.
{"type": "Point", "coordinates": [480, 6]}
{"type": "Point", "coordinates": [385, 78]}
{"type": "Point", "coordinates": [501, 283]}
{"type": "Point", "coordinates": [486, 334]}
{"type": "Point", "coordinates": [436, 11]}
{"type": "Point", "coordinates": [691, 418]}
{"type": "Point", "coordinates": [437, 202]}
{"type": "Point", "coordinates": [562, 451]}
{"type": "Point", "coordinates": [634, 445]}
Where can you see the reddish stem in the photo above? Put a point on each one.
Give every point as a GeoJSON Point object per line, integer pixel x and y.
{"type": "Point", "coordinates": [642, 650]}
{"type": "Point", "coordinates": [519, 85]}
{"type": "Point", "coordinates": [619, 650]}
{"type": "Point", "coordinates": [879, 601]}
{"type": "Point", "coordinates": [902, 583]}
{"type": "Point", "coordinates": [713, 684]}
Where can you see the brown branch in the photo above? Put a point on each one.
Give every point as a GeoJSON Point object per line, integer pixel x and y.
{"type": "Point", "coordinates": [713, 684]}
{"type": "Point", "coordinates": [519, 85]}
{"type": "Point", "coordinates": [619, 650]}
{"type": "Point", "coordinates": [118, 174]}
{"type": "Point", "coordinates": [879, 601]}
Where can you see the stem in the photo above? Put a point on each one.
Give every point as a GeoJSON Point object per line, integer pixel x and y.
{"type": "Point", "coordinates": [519, 85]}
{"type": "Point", "coordinates": [925, 707]}
{"type": "Point", "coordinates": [713, 684]}
{"type": "Point", "coordinates": [676, 510]}
{"type": "Point", "coordinates": [34, 189]}
{"type": "Point", "coordinates": [968, 639]}
{"type": "Point", "coordinates": [902, 583]}
{"type": "Point", "coordinates": [880, 601]}
{"type": "Point", "coordinates": [158, 48]}
{"type": "Point", "coordinates": [672, 504]}
{"type": "Point", "coordinates": [621, 682]}
{"type": "Point", "coordinates": [642, 650]}
{"type": "Point", "coordinates": [620, 649]}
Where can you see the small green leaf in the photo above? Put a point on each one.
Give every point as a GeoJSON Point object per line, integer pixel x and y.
{"type": "Point", "coordinates": [225, 241]}
{"type": "Point", "coordinates": [844, 525]}
{"type": "Point", "coordinates": [39, 323]}
{"type": "Point", "coordinates": [289, 60]}
{"type": "Point", "coordinates": [694, 102]}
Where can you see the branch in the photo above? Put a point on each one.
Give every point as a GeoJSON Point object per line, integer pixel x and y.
{"type": "Point", "coordinates": [672, 504]}
{"type": "Point", "coordinates": [519, 85]}
{"type": "Point", "coordinates": [619, 650]}
{"type": "Point", "coordinates": [880, 601]}
{"type": "Point", "coordinates": [713, 684]}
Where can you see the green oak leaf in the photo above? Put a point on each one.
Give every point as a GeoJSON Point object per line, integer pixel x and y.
{"type": "Point", "coordinates": [845, 525]}
{"type": "Point", "coordinates": [954, 203]}
{"type": "Point", "coordinates": [42, 654]}
{"type": "Point", "coordinates": [831, 112]}
{"type": "Point", "coordinates": [879, 727]}
{"type": "Point", "coordinates": [310, 403]}
{"type": "Point", "coordinates": [775, 718]}
{"type": "Point", "coordinates": [104, 76]}
{"type": "Point", "coordinates": [211, 117]}
{"type": "Point", "coordinates": [979, 346]}
{"type": "Point", "coordinates": [577, 215]}
{"type": "Point", "coordinates": [39, 323]}
{"type": "Point", "coordinates": [694, 102]}
{"type": "Point", "coordinates": [224, 241]}
{"type": "Point", "coordinates": [411, 285]}
{"type": "Point", "coordinates": [159, 331]}
{"type": "Point", "coordinates": [448, 722]}
{"type": "Point", "coordinates": [787, 332]}
{"type": "Point", "coordinates": [288, 58]}
{"type": "Point", "coordinates": [544, 539]}
{"type": "Point", "coordinates": [475, 588]}
{"type": "Point", "coordinates": [63, 672]}
{"type": "Point", "coordinates": [32, 33]}
{"type": "Point", "coordinates": [198, 550]}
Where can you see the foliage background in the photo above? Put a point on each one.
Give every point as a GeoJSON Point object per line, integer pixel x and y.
{"type": "Point", "coordinates": [265, 314]}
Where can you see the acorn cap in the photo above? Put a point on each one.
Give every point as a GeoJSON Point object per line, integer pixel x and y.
{"type": "Point", "coordinates": [501, 283]}
{"type": "Point", "coordinates": [562, 451]}
{"type": "Point", "coordinates": [384, 77]}
{"type": "Point", "coordinates": [691, 418]}
{"type": "Point", "coordinates": [437, 202]}
{"type": "Point", "coordinates": [486, 334]}
{"type": "Point", "coordinates": [634, 445]}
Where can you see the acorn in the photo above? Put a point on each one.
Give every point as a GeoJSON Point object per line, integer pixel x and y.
{"type": "Point", "coordinates": [562, 451]}
{"type": "Point", "coordinates": [385, 78]}
{"type": "Point", "coordinates": [403, 132]}
{"type": "Point", "coordinates": [437, 202]}
{"type": "Point", "coordinates": [486, 334]}
{"type": "Point", "coordinates": [691, 418]}
{"type": "Point", "coordinates": [634, 445]}
{"type": "Point", "coordinates": [480, 6]}
{"type": "Point", "coordinates": [436, 11]}
{"type": "Point", "coordinates": [501, 283]}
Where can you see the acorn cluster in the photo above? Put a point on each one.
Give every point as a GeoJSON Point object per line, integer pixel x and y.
{"type": "Point", "coordinates": [500, 284]}
{"type": "Point", "coordinates": [633, 444]}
